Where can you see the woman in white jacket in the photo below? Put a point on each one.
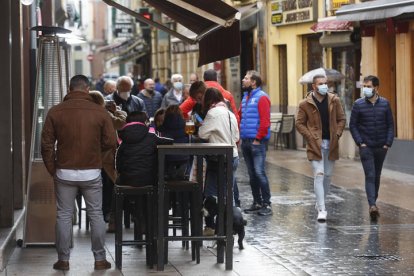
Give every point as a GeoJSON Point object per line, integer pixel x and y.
{"type": "Point", "coordinates": [219, 126]}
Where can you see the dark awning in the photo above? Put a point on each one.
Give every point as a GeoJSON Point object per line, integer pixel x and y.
{"type": "Point", "coordinates": [126, 50]}
{"type": "Point", "coordinates": [210, 20]}
{"type": "Point", "coordinates": [375, 10]}
{"type": "Point", "coordinates": [332, 26]}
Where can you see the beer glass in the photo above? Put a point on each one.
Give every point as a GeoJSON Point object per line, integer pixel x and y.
{"type": "Point", "coordinates": [189, 128]}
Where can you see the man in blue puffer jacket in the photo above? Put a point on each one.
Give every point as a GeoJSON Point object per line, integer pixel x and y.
{"type": "Point", "coordinates": [372, 127]}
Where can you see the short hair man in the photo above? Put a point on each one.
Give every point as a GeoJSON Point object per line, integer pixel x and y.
{"type": "Point", "coordinates": [210, 79]}
{"type": "Point", "coordinates": [151, 97]}
{"type": "Point", "coordinates": [193, 78]}
{"type": "Point", "coordinates": [123, 98]}
{"type": "Point", "coordinates": [254, 133]}
{"type": "Point", "coordinates": [372, 127]}
{"type": "Point", "coordinates": [81, 131]}
{"type": "Point", "coordinates": [109, 87]}
{"type": "Point", "coordinates": [175, 95]}
{"type": "Point", "coordinates": [321, 120]}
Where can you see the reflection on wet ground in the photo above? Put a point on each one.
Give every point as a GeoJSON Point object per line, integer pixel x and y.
{"type": "Point", "coordinates": [348, 243]}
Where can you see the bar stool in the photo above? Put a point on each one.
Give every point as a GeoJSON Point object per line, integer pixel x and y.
{"type": "Point", "coordinates": [139, 194]}
{"type": "Point", "coordinates": [191, 213]}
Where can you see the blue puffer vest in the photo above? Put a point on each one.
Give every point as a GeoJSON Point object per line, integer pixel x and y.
{"type": "Point", "coordinates": [250, 120]}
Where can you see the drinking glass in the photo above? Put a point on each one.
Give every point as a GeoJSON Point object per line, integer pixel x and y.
{"type": "Point", "coordinates": [189, 128]}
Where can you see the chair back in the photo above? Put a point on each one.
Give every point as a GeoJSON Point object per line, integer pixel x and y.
{"type": "Point", "coordinates": [275, 121]}
{"type": "Point", "coordinates": [288, 122]}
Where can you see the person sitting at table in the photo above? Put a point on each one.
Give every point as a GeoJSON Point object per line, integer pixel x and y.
{"type": "Point", "coordinates": [219, 126]}
{"type": "Point", "coordinates": [173, 127]}
{"type": "Point", "coordinates": [136, 157]}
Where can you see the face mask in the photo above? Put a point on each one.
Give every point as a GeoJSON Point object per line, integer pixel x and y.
{"type": "Point", "coordinates": [178, 85]}
{"type": "Point", "coordinates": [323, 89]}
{"type": "Point", "coordinates": [124, 95]}
{"type": "Point", "coordinates": [368, 92]}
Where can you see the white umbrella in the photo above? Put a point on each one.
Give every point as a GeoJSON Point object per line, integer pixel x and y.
{"type": "Point", "coordinates": [330, 74]}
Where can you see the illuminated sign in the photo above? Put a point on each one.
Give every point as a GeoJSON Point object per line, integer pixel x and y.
{"type": "Point", "coordinates": [284, 12]}
{"type": "Point", "coordinates": [336, 4]}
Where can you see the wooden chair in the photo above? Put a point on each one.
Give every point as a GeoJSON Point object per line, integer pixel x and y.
{"type": "Point", "coordinates": [286, 127]}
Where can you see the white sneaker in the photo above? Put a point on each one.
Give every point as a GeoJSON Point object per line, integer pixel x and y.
{"type": "Point", "coordinates": [322, 216]}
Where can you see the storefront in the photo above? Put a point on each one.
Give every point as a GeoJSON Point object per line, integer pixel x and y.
{"type": "Point", "coordinates": [387, 50]}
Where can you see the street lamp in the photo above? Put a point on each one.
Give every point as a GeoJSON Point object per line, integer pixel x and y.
{"type": "Point", "coordinates": [27, 2]}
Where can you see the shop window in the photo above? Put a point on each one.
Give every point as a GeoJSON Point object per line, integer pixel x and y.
{"type": "Point", "coordinates": [312, 56]}
{"type": "Point", "coordinates": [347, 60]}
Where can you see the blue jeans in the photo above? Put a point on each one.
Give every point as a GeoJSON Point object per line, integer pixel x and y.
{"type": "Point", "coordinates": [210, 188]}
{"type": "Point", "coordinates": [322, 172]}
{"type": "Point", "coordinates": [255, 156]}
{"type": "Point", "coordinates": [372, 160]}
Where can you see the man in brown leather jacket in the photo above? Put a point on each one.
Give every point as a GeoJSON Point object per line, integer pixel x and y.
{"type": "Point", "coordinates": [81, 130]}
{"type": "Point", "coordinates": [321, 120]}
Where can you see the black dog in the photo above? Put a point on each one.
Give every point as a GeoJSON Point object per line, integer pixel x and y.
{"type": "Point", "coordinates": [211, 210]}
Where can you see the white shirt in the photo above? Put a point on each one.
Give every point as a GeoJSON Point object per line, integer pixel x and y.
{"type": "Point", "coordinates": [78, 175]}
{"type": "Point", "coordinates": [216, 127]}
{"type": "Point", "coordinates": [178, 95]}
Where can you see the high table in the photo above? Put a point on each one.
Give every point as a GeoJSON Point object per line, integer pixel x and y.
{"type": "Point", "coordinates": [224, 235]}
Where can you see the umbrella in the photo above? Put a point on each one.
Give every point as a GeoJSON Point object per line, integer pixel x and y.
{"type": "Point", "coordinates": [330, 74]}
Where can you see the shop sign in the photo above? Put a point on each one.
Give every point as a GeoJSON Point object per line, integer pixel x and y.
{"type": "Point", "coordinates": [284, 12]}
{"type": "Point", "coordinates": [123, 29]}
{"type": "Point", "coordinates": [181, 47]}
{"type": "Point", "coordinates": [336, 4]}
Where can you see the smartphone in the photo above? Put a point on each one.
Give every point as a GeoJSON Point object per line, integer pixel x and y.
{"type": "Point", "coordinates": [198, 118]}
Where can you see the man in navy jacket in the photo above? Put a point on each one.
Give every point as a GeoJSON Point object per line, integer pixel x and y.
{"type": "Point", "coordinates": [372, 128]}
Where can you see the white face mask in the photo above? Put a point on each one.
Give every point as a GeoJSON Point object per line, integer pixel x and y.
{"type": "Point", "coordinates": [124, 95]}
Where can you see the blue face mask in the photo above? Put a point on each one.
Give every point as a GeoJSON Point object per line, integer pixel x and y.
{"type": "Point", "coordinates": [323, 89]}
{"type": "Point", "coordinates": [368, 92]}
{"type": "Point", "coordinates": [178, 85]}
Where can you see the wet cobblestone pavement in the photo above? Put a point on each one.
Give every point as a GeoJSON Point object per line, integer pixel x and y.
{"type": "Point", "coordinates": [347, 244]}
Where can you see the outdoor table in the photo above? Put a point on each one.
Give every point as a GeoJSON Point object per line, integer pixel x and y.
{"type": "Point", "coordinates": [224, 235]}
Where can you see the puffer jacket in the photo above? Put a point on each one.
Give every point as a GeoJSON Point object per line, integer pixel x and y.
{"type": "Point", "coordinates": [136, 157]}
{"type": "Point", "coordinates": [82, 130]}
{"type": "Point", "coordinates": [309, 124]}
{"type": "Point", "coordinates": [372, 124]}
{"type": "Point", "coordinates": [152, 104]}
{"type": "Point", "coordinates": [132, 104]}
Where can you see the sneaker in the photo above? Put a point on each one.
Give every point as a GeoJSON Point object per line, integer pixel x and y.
{"type": "Point", "coordinates": [253, 208]}
{"type": "Point", "coordinates": [101, 265]}
{"type": "Point", "coordinates": [266, 210]}
{"type": "Point", "coordinates": [208, 231]}
{"type": "Point", "coordinates": [322, 216]}
{"type": "Point", "coordinates": [374, 212]}
{"type": "Point", "coordinates": [61, 265]}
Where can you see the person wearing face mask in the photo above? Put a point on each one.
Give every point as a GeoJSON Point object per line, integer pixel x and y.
{"type": "Point", "coordinates": [123, 98]}
{"type": "Point", "coordinates": [321, 120]}
{"type": "Point", "coordinates": [151, 97]}
{"type": "Point", "coordinates": [372, 127]}
{"type": "Point", "coordinates": [175, 95]}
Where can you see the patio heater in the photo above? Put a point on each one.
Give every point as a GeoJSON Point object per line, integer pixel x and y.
{"type": "Point", "coordinates": [52, 79]}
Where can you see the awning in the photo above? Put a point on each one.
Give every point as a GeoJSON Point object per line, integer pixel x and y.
{"type": "Point", "coordinates": [332, 26]}
{"type": "Point", "coordinates": [213, 21]}
{"type": "Point", "coordinates": [248, 19]}
{"type": "Point", "coordinates": [124, 51]}
{"type": "Point", "coordinates": [375, 10]}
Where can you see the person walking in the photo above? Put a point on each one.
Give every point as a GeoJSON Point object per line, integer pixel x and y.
{"type": "Point", "coordinates": [75, 134]}
{"type": "Point", "coordinates": [372, 127]}
{"type": "Point", "coordinates": [254, 133]}
{"type": "Point", "coordinates": [321, 120]}
{"type": "Point", "coordinates": [151, 97]}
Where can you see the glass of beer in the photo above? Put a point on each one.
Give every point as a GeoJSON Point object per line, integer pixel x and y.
{"type": "Point", "coordinates": [189, 128]}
